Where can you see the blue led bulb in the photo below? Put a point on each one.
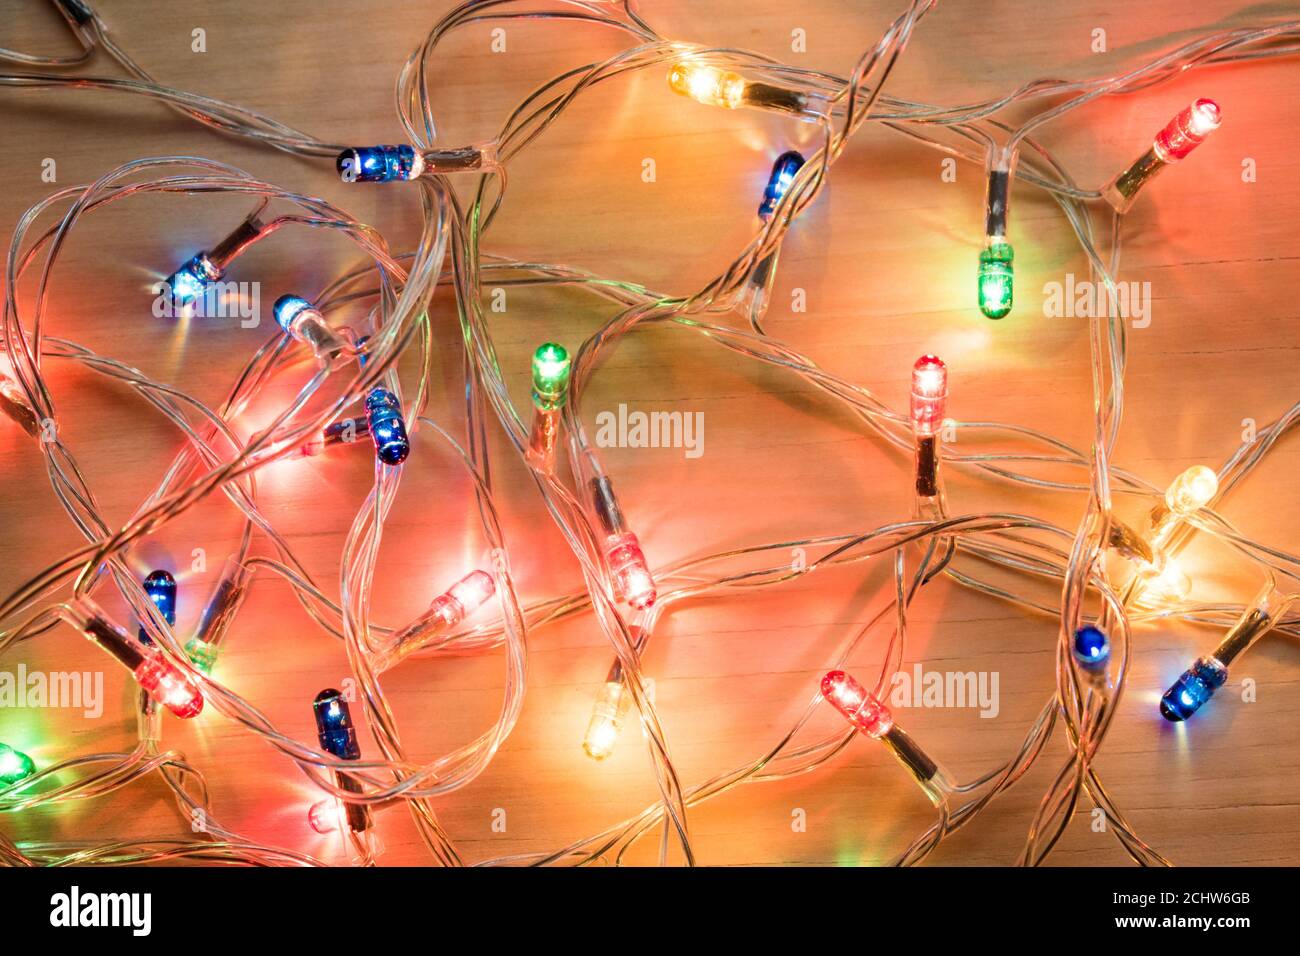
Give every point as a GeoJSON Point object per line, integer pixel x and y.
{"type": "Point", "coordinates": [778, 184]}
{"type": "Point", "coordinates": [1193, 689]}
{"type": "Point", "coordinates": [379, 164]}
{"type": "Point", "coordinates": [191, 280]}
{"type": "Point", "coordinates": [334, 725]}
{"type": "Point", "coordinates": [161, 588]}
{"type": "Point", "coordinates": [287, 308]}
{"type": "Point", "coordinates": [302, 321]}
{"type": "Point", "coordinates": [387, 428]}
{"type": "Point", "coordinates": [338, 737]}
{"type": "Point", "coordinates": [1091, 647]}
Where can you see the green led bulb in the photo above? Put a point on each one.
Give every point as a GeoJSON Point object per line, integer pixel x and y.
{"type": "Point", "coordinates": [14, 765]}
{"type": "Point", "coordinates": [550, 376]}
{"type": "Point", "coordinates": [995, 280]}
{"type": "Point", "coordinates": [201, 654]}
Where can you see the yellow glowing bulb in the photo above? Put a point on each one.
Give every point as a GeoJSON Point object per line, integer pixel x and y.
{"type": "Point", "coordinates": [708, 84]}
{"type": "Point", "coordinates": [602, 734]}
{"type": "Point", "coordinates": [1169, 585]}
{"type": "Point", "coordinates": [606, 716]}
{"type": "Point", "coordinates": [1192, 490]}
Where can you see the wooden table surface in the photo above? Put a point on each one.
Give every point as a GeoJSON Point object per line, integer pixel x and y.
{"type": "Point", "coordinates": [885, 258]}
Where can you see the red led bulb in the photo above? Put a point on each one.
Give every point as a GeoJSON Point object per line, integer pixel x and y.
{"type": "Point", "coordinates": [1187, 130]}
{"type": "Point", "coordinates": [327, 816]}
{"type": "Point", "coordinates": [445, 611]}
{"type": "Point", "coordinates": [859, 707]}
{"type": "Point", "coordinates": [156, 675]}
{"type": "Point", "coordinates": [628, 567]}
{"type": "Point", "coordinates": [462, 599]}
{"type": "Point", "coordinates": [929, 394]}
{"type": "Point", "coordinates": [1180, 136]}
{"type": "Point", "coordinates": [623, 555]}
{"type": "Point", "coordinates": [167, 685]}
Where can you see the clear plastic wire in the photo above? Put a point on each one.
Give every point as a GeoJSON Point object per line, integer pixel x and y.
{"type": "Point", "coordinates": [395, 289]}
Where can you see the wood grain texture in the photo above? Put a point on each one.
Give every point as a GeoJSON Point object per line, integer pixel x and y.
{"type": "Point", "coordinates": [886, 259]}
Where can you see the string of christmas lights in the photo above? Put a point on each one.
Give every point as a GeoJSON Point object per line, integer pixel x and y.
{"type": "Point", "coordinates": [353, 394]}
